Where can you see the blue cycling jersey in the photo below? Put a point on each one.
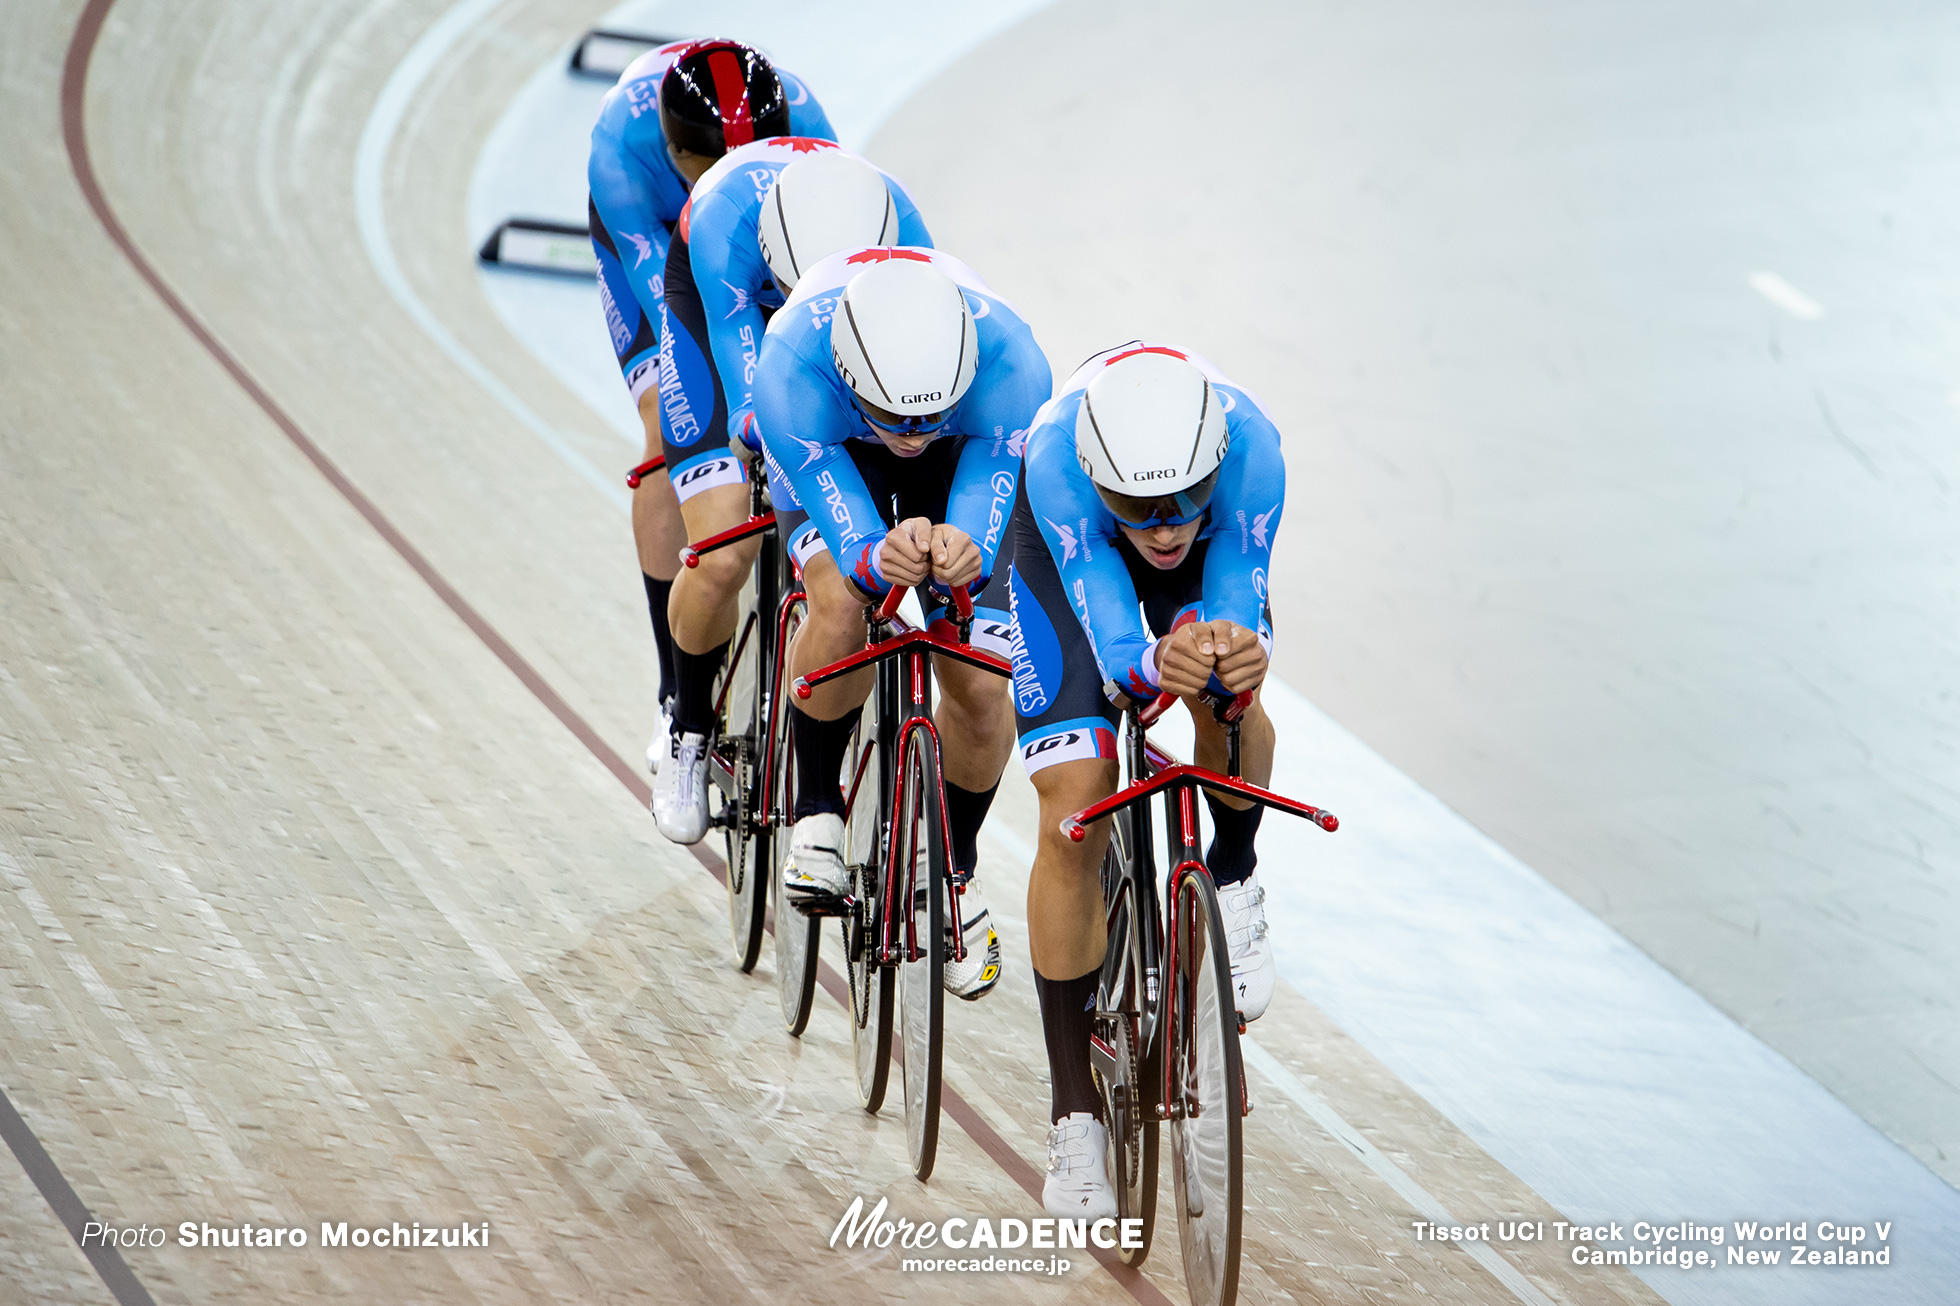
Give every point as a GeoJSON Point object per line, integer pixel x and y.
{"type": "Point", "coordinates": [719, 225]}
{"type": "Point", "coordinates": [806, 414]}
{"type": "Point", "coordinates": [1081, 531]}
{"type": "Point", "coordinates": [637, 191]}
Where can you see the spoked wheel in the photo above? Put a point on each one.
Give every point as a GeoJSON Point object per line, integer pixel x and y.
{"type": "Point", "coordinates": [1206, 1162]}
{"type": "Point", "coordinates": [738, 739]}
{"type": "Point", "coordinates": [871, 986]}
{"type": "Point", "coordinates": [796, 934]}
{"type": "Point", "coordinates": [1127, 1079]}
{"type": "Point", "coordinates": [920, 838]}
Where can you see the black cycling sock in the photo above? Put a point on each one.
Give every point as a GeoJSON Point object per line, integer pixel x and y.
{"type": "Point", "coordinates": [663, 635]}
{"type": "Point", "coordinates": [1231, 856]}
{"type": "Point", "coordinates": [694, 705]}
{"type": "Point", "coordinates": [966, 810]}
{"type": "Point", "coordinates": [820, 748]}
{"type": "Point", "coordinates": [1068, 1018]}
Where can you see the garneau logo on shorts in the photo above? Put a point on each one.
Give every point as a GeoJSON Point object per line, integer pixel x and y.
{"type": "Point", "coordinates": [1070, 746]}
{"type": "Point", "coordinates": [707, 474]}
{"type": "Point", "coordinates": [807, 544]}
{"type": "Point", "coordinates": [997, 513]}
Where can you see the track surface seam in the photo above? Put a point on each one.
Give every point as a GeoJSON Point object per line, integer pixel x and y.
{"type": "Point", "coordinates": [115, 1273]}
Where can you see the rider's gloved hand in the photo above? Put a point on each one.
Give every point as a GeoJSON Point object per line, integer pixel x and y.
{"type": "Point", "coordinates": [955, 557]}
{"type": "Point", "coordinates": [904, 558]}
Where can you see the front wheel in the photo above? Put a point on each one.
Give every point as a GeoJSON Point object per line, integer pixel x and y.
{"type": "Point", "coordinates": [870, 983]}
{"type": "Point", "coordinates": [1127, 1079]}
{"type": "Point", "coordinates": [919, 840]}
{"type": "Point", "coordinates": [736, 769]}
{"type": "Point", "coordinates": [796, 934]}
{"type": "Point", "coordinates": [1206, 1160]}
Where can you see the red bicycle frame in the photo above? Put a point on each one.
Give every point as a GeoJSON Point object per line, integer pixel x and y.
{"type": "Point", "coordinates": [904, 696]}
{"type": "Point", "coordinates": [1179, 783]}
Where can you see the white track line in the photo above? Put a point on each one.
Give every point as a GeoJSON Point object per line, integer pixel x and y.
{"type": "Point", "coordinates": [1393, 1175]}
{"type": "Point", "coordinates": [370, 169]}
{"type": "Point", "coordinates": [1786, 296]}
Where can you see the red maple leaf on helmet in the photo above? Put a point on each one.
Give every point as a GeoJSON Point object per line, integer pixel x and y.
{"type": "Point", "coordinates": [806, 144]}
{"type": "Point", "coordinates": [1143, 349]}
{"type": "Point", "coordinates": [881, 255]}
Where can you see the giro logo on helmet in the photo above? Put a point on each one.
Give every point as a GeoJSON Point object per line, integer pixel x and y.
{"type": "Point", "coordinates": [1156, 474]}
{"type": "Point", "coordinates": [920, 398]}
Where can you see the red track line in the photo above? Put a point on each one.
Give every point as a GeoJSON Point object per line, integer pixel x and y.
{"type": "Point", "coordinates": [74, 81]}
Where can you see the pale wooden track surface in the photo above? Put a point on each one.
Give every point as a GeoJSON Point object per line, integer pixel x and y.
{"type": "Point", "coordinates": [310, 910]}
{"type": "Point", "coordinates": [1649, 579]}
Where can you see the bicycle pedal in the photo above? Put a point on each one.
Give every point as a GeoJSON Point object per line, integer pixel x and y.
{"type": "Point", "coordinates": [822, 905]}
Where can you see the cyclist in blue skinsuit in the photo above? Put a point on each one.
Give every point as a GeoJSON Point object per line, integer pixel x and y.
{"type": "Point", "coordinates": [894, 393]}
{"type": "Point", "coordinates": [674, 111]}
{"type": "Point", "coordinates": [756, 219]}
{"type": "Point", "coordinates": [1149, 501]}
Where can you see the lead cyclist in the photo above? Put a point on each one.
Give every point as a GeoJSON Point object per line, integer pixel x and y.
{"type": "Point", "coordinates": [1150, 497]}
{"type": "Point", "coordinates": [893, 394]}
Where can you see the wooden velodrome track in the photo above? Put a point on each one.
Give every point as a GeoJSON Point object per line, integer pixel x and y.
{"type": "Point", "coordinates": [328, 894]}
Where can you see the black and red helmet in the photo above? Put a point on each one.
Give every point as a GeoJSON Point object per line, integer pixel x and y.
{"type": "Point", "coordinates": [721, 94]}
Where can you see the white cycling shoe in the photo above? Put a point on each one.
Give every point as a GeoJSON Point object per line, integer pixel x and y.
{"type": "Point", "coordinates": [1078, 1187]}
{"type": "Point", "coordinates": [1244, 908]}
{"type": "Point", "coordinates": [813, 869]}
{"type": "Point", "coordinates": [658, 745]}
{"type": "Point", "coordinates": [680, 791]}
{"type": "Point", "coordinates": [975, 977]}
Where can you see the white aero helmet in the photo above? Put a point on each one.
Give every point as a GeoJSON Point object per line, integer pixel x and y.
{"type": "Point", "coordinates": [819, 204]}
{"type": "Point", "coordinates": [1150, 434]}
{"type": "Point", "coordinates": [903, 340]}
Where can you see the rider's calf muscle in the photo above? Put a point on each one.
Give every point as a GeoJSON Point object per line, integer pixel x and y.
{"type": "Point", "coordinates": [707, 597]}
{"type": "Point", "coordinates": [1066, 931]}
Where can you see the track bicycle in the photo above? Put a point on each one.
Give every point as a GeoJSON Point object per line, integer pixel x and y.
{"type": "Point", "coordinates": [750, 762]}
{"type": "Point", "coordinates": [898, 851]}
{"type": "Point", "coordinates": [1166, 1041]}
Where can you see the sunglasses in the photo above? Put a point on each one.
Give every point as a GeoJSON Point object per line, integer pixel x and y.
{"type": "Point", "coordinates": [900, 424]}
{"type": "Point", "coordinates": [1150, 512]}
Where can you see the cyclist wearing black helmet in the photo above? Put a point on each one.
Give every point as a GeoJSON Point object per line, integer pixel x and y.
{"type": "Point", "coordinates": [673, 113]}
